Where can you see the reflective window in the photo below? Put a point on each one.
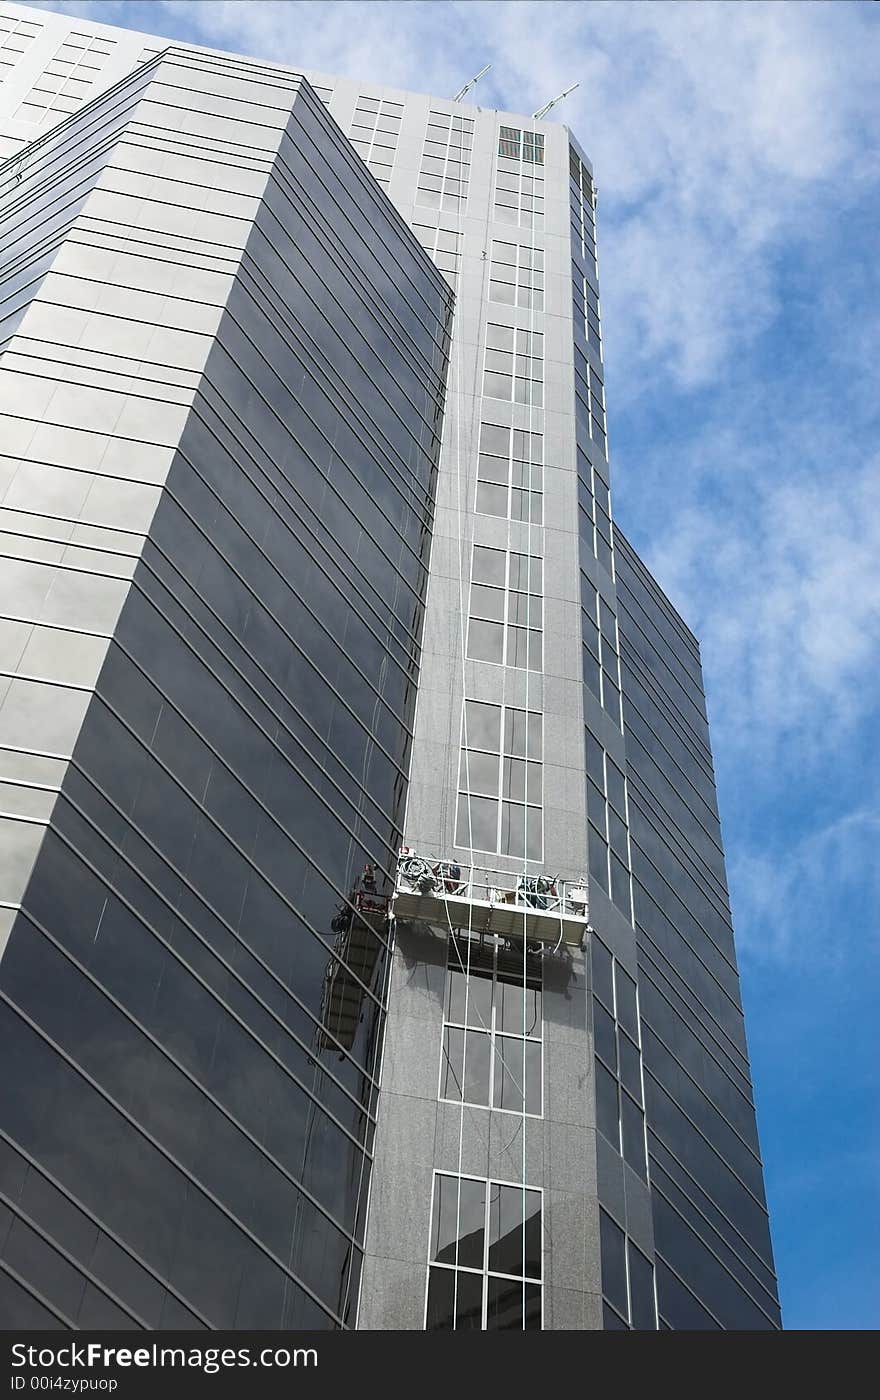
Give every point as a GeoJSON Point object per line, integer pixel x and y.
{"type": "Point", "coordinates": [485, 1263]}
{"type": "Point", "coordinates": [514, 365]}
{"type": "Point", "coordinates": [444, 175]}
{"type": "Point", "coordinates": [517, 275]}
{"type": "Point", "coordinates": [608, 834]}
{"type": "Point", "coordinates": [492, 1032]}
{"type": "Point", "coordinates": [500, 779]}
{"type": "Point", "coordinates": [627, 1281]}
{"type": "Point", "coordinates": [510, 473]}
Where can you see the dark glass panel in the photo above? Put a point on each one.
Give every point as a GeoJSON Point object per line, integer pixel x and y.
{"type": "Point", "coordinates": [607, 1113]}
{"type": "Point", "coordinates": [518, 1008]}
{"type": "Point", "coordinates": [455, 1300]}
{"type": "Point", "coordinates": [459, 1221]}
{"type": "Point", "coordinates": [468, 997]}
{"type": "Point", "coordinates": [641, 1290]}
{"type": "Point", "coordinates": [602, 965]}
{"type": "Point", "coordinates": [611, 1321]}
{"type": "Point", "coordinates": [632, 1122]}
{"type": "Point", "coordinates": [630, 1065]}
{"type": "Point", "coordinates": [512, 1306]}
{"type": "Point", "coordinates": [513, 1057]}
{"type": "Point", "coordinates": [465, 1065]}
{"type": "Point", "coordinates": [626, 1001]}
{"type": "Point", "coordinates": [612, 1248]}
{"type": "Point", "coordinates": [512, 1251]}
{"type": "Point", "coordinates": [482, 726]}
{"type": "Point", "coordinates": [603, 1033]}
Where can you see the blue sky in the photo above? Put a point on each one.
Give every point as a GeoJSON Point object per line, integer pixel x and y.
{"type": "Point", "coordinates": [737, 158]}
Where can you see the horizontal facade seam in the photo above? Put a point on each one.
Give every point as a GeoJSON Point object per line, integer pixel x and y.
{"type": "Point", "coordinates": [81, 1268]}
{"type": "Point", "coordinates": [696, 1016]}
{"type": "Point", "coordinates": [283, 630]}
{"type": "Point", "coordinates": [698, 1130]}
{"type": "Point", "coordinates": [693, 1181]}
{"type": "Point", "coordinates": [730, 966]}
{"type": "Point", "coordinates": [275, 684]}
{"type": "Point", "coordinates": [200, 1088]}
{"type": "Point", "coordinates": [103, 1228]}
{"type": "Point", "coordinates": [34, 1293]}
{"type": "Point", "coordinates": [739, 1282]}
{"type": "Point", "coordinates": [168, 1156]}
{"type": "Point", "coordinates": [216, 824]}
{"type": "Point", "coordinates": [236, 977]}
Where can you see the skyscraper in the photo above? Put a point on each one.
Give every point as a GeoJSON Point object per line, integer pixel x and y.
{"type": "Point", "coordinates": [308, 558]}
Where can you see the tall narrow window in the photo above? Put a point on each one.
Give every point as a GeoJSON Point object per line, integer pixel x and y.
{"type": "Point", "coordinates": [510, 473]}
{"type": "Point", "coordinates": [506, 623]}
{"type": "Point", "coordinates": [374, 131]}
{"type": "Point", "coordinates": [620, 1113]}
{"type": "Point", "coordinates": [501, 781]}
{"type": "Point", "coordinates": [516, 275]}
{"type": "Point", "coordinates": [514, 365]}
{"type": "Point", "coordinates": [444, 175]}
{"type": "Point", "coordinates": [485, 1266]}
{"type": "Point", "coordinates": [492, 1030]}
{"type": "Point", "coordinates": [601, 656]}
{"type": "Point", "coordinates": [627, 1281]}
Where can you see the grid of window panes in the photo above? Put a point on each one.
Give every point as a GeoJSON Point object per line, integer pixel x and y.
{"type": "Point", "coordinates": [516, 144]}
{"type": "Point", "coordinates": [505, 618]}
{"type": "Point", "coordinates": [510, 473]}
{"type": "Point", "coordinates": [517, 275]}
{"type": "Point", "coordinates": [446, 162]}
{"type": "Point", "coordinates": [67, 81]}
{"type": "Point", "coordinates": [594, 513]}
{"type": "Point", "coordinates": [628, 1297]}
{"type": "Point", "coordinates": [620, 1112]}
{"type": "Point", "coordinates": [589, 404]}
{"type": "Point", "coordinates": [443, 245]}
{"type": "Point", "coordinates": [15, 36]}
{"type": "Point", "coordinates": [492, 1049]}
{"type": "Point", "coordinates": [514, 366]}
{"type": "Point", "coordinates": [374, 131]}
{"type": "Point", "coordinates": [519, 193]}
{"type": "Point", "coordinates": [585, 303]}
{"type": "Point", "coordinates": [501, 781]}
{"type": "Point", "coordinates": [601, 655]}
{"type": "Point", "coordinates": [485, 1256]}
{"type": "Point", "coordinates": [609, 850]}
{"type": "Point", "coordinates": [582, 205]}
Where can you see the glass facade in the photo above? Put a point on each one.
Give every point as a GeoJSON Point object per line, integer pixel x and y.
{"type": "Point", "coordinates": [714, 1262]}
{"type": "Point", "coordinates": [192, 995]}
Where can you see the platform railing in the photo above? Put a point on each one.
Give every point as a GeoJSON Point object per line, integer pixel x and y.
{"type": "Point", "coordinates": [418, 873]}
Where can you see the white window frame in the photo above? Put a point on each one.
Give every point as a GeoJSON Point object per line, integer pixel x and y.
{"type": "Point", "coordinates": [484, 1273]}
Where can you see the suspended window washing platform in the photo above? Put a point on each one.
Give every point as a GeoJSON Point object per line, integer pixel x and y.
{"type": "Point", "coordinates": [538, 908]}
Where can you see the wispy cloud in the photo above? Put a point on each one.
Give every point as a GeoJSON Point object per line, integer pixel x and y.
{"type": "Point", "coordinates": [782, 920]}
{"type": "Point", "coordinates": [786, 598]}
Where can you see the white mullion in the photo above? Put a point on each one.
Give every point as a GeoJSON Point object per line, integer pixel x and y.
{"type": "Point", "coordinates": [484, 1312]}
{"type": "Point", "coordinates": [500, 787]}
{"type": "Point", "coordinates": [492, 1021]}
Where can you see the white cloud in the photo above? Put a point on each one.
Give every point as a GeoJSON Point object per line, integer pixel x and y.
{"type": "Point", "coordinates": [786, 601]}
{"type": "Point", "coordinates": [786, 899]}
{"type": "Point", "coordinates": [717, 131]}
